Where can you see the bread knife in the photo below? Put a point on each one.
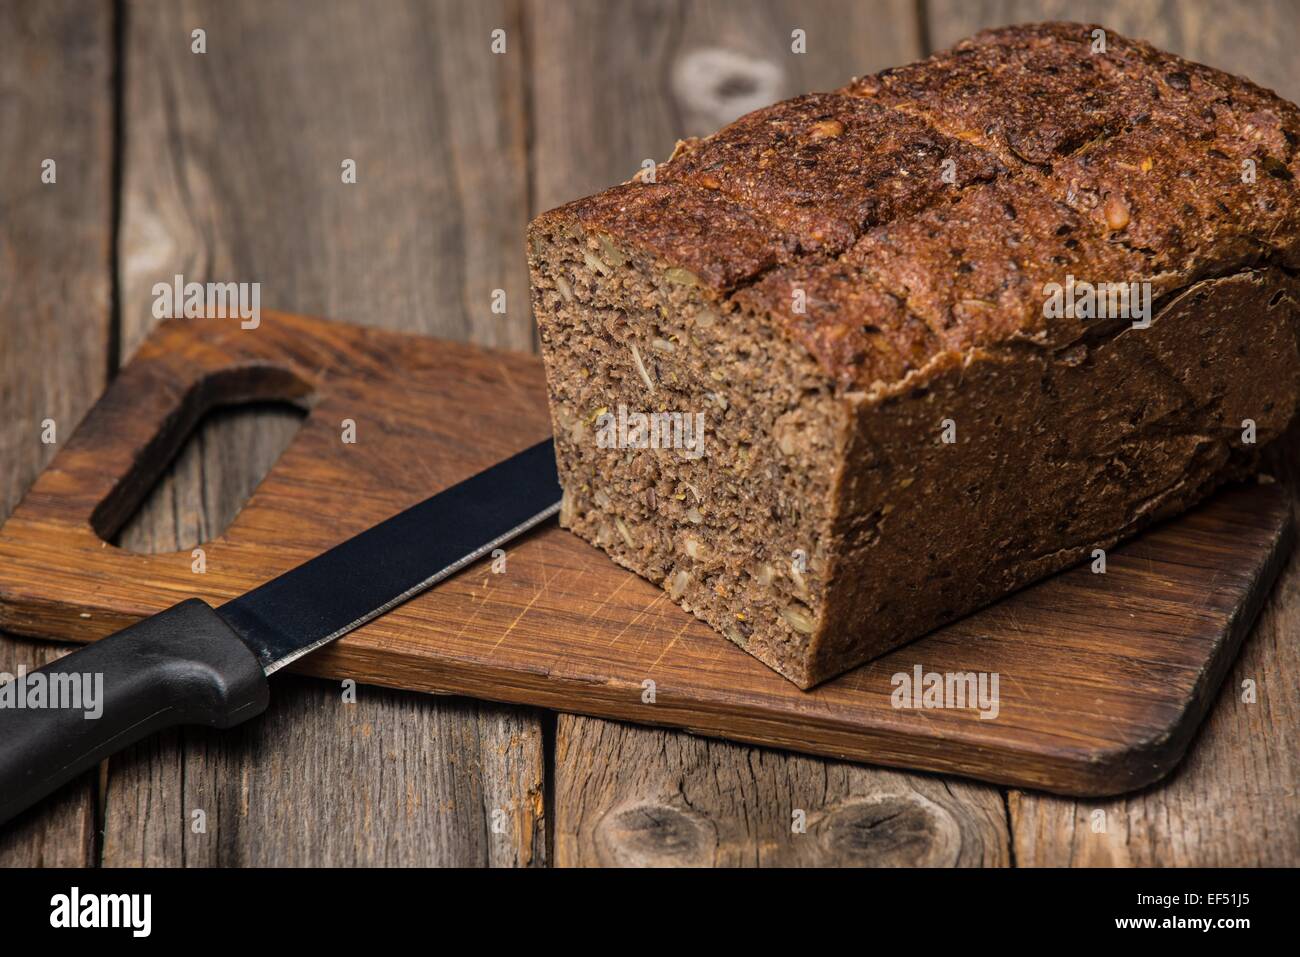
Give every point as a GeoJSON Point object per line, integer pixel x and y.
{"type": "Point", "coordinates": [193, 664]}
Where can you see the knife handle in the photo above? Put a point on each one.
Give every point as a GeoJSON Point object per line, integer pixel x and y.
{"type": "Point", "coordinates": [184, 665]}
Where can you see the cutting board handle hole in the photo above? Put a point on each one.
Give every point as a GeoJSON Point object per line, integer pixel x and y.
{"type": "Point", "coordinates": [196, 474]}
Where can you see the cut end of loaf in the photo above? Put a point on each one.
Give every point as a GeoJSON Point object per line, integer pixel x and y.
{"type": "Point", "coordinates": [725, 501]}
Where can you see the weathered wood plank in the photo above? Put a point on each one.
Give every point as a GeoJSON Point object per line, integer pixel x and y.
{"type": "Point", "coordinates": [234, 162]}
{"type": "Point", "coordinates": [234, 172]}
{"type": "Point", "coordinates": [56, 102]}
{"type": "Point", "coordinates": [613, 85]}
{"type": "Point", "coordinates": [637, 797]}
{"type": "Point", "coordinates": [1233, 803]}
{"type": "Point", "coordinates": [392, 780]}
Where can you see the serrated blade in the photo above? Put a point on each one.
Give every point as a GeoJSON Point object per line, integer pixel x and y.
{"type": "Point", "coordinates": [378, 569]}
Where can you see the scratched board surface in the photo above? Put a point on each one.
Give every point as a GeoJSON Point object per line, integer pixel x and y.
{"type": "Point", "coordinates": [1102, 678]}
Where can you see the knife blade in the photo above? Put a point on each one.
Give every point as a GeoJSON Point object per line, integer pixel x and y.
{"type": "Point", "coordinates": [193, 664]}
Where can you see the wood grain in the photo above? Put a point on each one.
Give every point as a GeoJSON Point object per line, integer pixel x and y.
{"type": "Point", "coordinates": [1103, 679]}
{"type": "Point", "coordinates": [390, 780]}
{"type": "Point", "coordinates": [55, 103]}
{"type": "Point", "coordinates": [233, 166]}
{"type": "Point", "coordinates": [1233, 802]}
{"type": "Point", "coordinates": [614, 84]}
{"type": "Point", "coordinates": [233, 173]}
{"type": "Point", "coordinates": [673, 800]}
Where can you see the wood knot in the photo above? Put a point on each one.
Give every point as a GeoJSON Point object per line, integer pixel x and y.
{"type": "Point", "coordinates": [890, 830]}
{"type": "Point", "coordinates": [717, 85]}
{"type": "Point", "coordinates": [656, 833]}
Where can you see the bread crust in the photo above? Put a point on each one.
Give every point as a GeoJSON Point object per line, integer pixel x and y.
{"type": "Point", "coordinates": [813, 187]}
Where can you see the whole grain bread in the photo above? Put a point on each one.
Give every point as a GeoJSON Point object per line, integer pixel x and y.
{"type": "Point", "coordinates": [854, 290]}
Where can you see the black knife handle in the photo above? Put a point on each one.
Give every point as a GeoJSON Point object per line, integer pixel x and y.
{"type": "Point", "coordinates": [182, 666]}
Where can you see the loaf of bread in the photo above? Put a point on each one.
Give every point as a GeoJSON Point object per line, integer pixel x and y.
{"type": "Point", "coordinates": [864, 361]}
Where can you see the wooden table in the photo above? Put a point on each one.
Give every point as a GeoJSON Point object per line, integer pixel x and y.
{"type": "Point", "coordinates": [226, 165]}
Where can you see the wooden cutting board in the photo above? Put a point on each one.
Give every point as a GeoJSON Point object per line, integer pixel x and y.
{"type": "Point", "coordinates": [1102, 679]}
